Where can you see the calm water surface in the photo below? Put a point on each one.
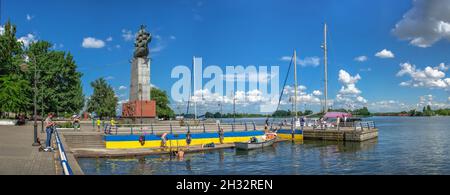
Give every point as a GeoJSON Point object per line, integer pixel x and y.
{"type": "Point", "coordinates": [406, 145]}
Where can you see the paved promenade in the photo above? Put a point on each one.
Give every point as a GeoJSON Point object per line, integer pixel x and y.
{"type": "Point", "coordinates": [18, 157]}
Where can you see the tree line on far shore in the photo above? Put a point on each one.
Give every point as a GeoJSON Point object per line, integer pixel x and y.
{"type": "Point", "coordinates": [426, 111]}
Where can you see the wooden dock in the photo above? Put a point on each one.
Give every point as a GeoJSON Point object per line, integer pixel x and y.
{"type": "Point", "coordinates": [341, 134]}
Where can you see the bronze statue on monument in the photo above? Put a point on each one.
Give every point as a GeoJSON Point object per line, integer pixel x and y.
{"type": "Point", "coordinates": [140, 104]}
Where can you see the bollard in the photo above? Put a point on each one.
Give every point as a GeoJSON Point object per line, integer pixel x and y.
{"type": "Point", "coordinates": [246, 127]}
{"type": "Point", "coordinates": [131, 130]}
{"type": "Point", "coordinates": [204, 129]}
{"type": "Point", "coordinates": [254, 125]}
{"type": "Point", "coordinates": [171, 130]}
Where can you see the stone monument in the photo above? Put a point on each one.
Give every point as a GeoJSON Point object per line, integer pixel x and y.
{"type": "Point", "coordinates": [140, 104]}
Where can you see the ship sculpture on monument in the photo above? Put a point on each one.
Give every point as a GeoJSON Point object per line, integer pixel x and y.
{"type": "Point", "coordinates": [140, 104]}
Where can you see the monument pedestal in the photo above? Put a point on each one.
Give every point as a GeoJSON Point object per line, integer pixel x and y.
{"type": "Point", "coordinates": [133, 109]}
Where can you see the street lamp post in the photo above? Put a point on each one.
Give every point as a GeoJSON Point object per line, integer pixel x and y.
{"type": "Point", "coordinates": [35, 142]}
{"type": "Point", "coordinates": [42, 109]}
{"type": "Point", "coordinates": [24, 67]}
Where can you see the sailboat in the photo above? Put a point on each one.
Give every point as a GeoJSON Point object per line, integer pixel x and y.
{"type": "Point", "coordinates": [294, 133]}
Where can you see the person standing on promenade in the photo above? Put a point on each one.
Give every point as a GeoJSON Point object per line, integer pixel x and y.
{"type": "Point", "coordinates": [112, 123]}
{"type": "Point", "coordinates": [98, 124]}
{"type": "Point", "coordinates": [49, 127]}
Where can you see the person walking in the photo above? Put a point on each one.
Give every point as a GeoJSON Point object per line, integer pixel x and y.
{"type": "Point", "coordinates": [49, 127]}
{"type": "Point", "coordinates": [112, 124]}
{"type": "Point", "coordinates": [99, 122]}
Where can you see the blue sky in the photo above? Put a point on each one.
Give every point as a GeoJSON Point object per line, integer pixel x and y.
{"type": "Point", "coordinates": [257, 32]}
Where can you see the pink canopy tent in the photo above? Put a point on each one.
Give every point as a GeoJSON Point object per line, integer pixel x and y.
{"type": "Point", "coordinates": [337, 114]}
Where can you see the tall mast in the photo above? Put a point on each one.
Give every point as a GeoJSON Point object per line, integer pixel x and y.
{"type": "Point", "coordinates": [195, 101]}
{"type": "Point", "coordinates": [295, 78]}
{"type": "Point", "coordinates": [325, 58]}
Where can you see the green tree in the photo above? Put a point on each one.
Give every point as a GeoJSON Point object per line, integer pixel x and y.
{"type": "Point", "coordinates": [10, 51]}
{"type": "Point", "coordinates": [217, 115]}
{"type": "Point", "coordinates": [308, 112]}
{"type": "Point", "coordinates": [209, 115]}
{"type": "Point", "coordinates": [103, 101]}
{"type": "Point", "coordinates": [59, 81]}
{"type": "Point", "coordinates": [363, 112]}
{"type": "Point", "coordinates": [163, 109]}
{"type": "Point", "coordinates": [13, 94]}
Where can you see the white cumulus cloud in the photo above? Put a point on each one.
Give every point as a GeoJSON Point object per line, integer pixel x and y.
{"type": "Point", "coordinates": [385, 54]}
{"type": "Point", "coordinates": [122, 87]}
{"type": "Point", "coordinates": [91, 42]}
{"type": "Point", "coordinates": [127, 35]}
{"type": "Point", "coordinates": [349, 96]}
{"type": "Point", "coordinates": [430, 77]}
{"type": "Point", "coordinates": [307, 61]}
{"type": "Point", "coordinates": [361, 58]}
{"type": "Point", "coordinates": [426, 23]}
{"type": "Point", "coordinates": [27, 40]}
{"type": "Point", "coordinates": [29, 17]}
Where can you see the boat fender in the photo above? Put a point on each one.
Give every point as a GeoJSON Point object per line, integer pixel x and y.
{"type": "Point", "coordinates": [142, 140]}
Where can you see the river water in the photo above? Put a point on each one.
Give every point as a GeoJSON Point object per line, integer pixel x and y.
{"type": "Point", "coordinates": [406, 145]}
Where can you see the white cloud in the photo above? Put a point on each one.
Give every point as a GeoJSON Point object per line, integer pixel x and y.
{"type": "Point", "coordinates": [123, 101]}
{"type": "Point", "coordinates": [122, 87]}
{"type": "Point", "coordinates": [384, 54]}
{"type": "Point", "coordinates": [109, 78]}
{"type": "Point", "coordinates": [91, 42]}
{"type": "Point", "coordinates": [29, 17]}
{"type": "Point", "coordinates": [109, 39]}
{"type": "Point", "coordinates": [127, 35]}
{"type": "Point", "coordinates": [160, 42]}
{"type": "Point", "coordinates": [361, 58]}
{"type": "Point", "coordinates": [346, 79]}
{"type": "Point", "coordinates": [430, 77]}
{"type": "Point", "coordinates": [317, 93]}
{"type": "Point", "coordinates": [172, 37]}
{"type": "Point", "coordinates": [2, 30]}
{"type": "Point", "coordinates": [349, 96]}
{"type": "Point", "coordinates": [389, 106]}
{"type": "Point", "coordinates": [307, 61]}
{"type": "Point", "coordinates": [427, 22]}
{"type": "Point", "coordinates": [154, 86]}
{"type": "Point", "coordinates": [27, 40]}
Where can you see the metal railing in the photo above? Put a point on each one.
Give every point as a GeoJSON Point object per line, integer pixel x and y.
{"type": "Point", "coordinates": [67, 170]}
